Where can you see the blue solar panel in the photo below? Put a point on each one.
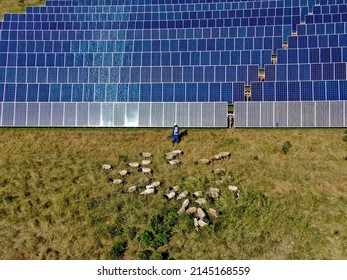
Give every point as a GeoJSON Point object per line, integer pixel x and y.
{"type": "Point", "coordinates": [171, 51]}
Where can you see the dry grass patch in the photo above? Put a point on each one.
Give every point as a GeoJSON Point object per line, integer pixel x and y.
{"type": "Point", "coordinates": [56, 202]}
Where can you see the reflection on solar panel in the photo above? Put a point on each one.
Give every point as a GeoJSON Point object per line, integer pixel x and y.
{"type": "Point", "coordinates": [118, 114]}
{"type": "Point", "coordinates": [109, 62]}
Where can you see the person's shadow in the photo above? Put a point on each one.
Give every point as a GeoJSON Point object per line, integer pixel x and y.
{"type": "Point", "coordinates": [183, 134]}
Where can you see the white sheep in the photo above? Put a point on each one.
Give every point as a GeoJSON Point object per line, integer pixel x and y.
{"type": "Point", "coordinates": [149, 187]}
{"type": "Point", "coordinates": [134, 164]}
{"type": "Point", "coordinates": [201, 223]}
{"type": "Point", "coordinates": [201, 201]}
{"type": "Point", "coordinates": [146, 162]}
{"type": "Point", "coordinates": [156, 184]}
{"type": "Point", "coordinates": [197, 194]}
{"type": "Point", "coordinates": [184, 206]}
{"type": "Point", "coordinates": [191, 210]}
{"type": "Point", "coordinates": [131, 189]}
{"type": "Point", "coordinates": [123, 172]}
{"type": "Point", "coordinates": [174, 162]}
{"type": "Point", "coordinates": [146, 154]}
{"type": "Point", "coordinates": [174, 188]}
{"type": "Point", "coordinates": [196, 224]}
{"type": "Point", "coordinates": [106, 166]}
{"type": "Point", "coordinates": [148, 191]}
{"type": "Point", "coordinates": [233, 188]}
{"type": "Point", "coordinates": [201, 214]}
{"type": "Point", "coordinates": [221, 155]}
{"type": "Point", "coordinates": [170, 195]}
{"type": "Point", "coordinates": [177, 152]}
{"type": "Point", "coordinates": [147, 170]}
{"type": "Point", "coordinates": [117, 181]}
{"type": "Point", "coordinates": [170, 156]}
{"type": "Point", "coordinates": [213, 213]}
{"type": "Point", "coordinates": [214, 193]}
{"type": "Point", "coordinates": [182, 195]}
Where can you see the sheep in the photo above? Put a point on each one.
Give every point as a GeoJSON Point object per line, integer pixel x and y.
{"type": "Point", "coordinates": [236, 192]}
{"type": "Point", "coordinates": [123, 173]}
{"type": "Point", "coordinates": [134, 164]}
{"type": "Point", "coordinates": [148, 191]}
{"type": "Point", "coordinates": [147, 170]}
{"type": "Point", "coordinates": [196, 224]}
{"type": "Point", "coordinates": [177, 152]}
{"type": "Point", "coordinates": [146, 162]}
{"type": "Point", "coordinates": [221, 156]}
{"type": "Point", "coordinates": [106, 166]}
{"type": "Point", "coordinates": [149, 187]}
{"type": "Point", "coordinates": [201, 201]}
{"type": "Point", "coordinates": [170, 195]}
{"type": "Point", "coordinates": [156, 184]}
{"type": "Point", "coordinates": [191, 210]}
{"type": "Point", "coordinates": [174, 162]}
{"type": "Point", "coordinates": [197, 194]}
{"type": "Point", "coordinates": [131, 189]}
{"type": "Point", "coordinates": [201, 223]}
{"type": "Point", "coordinates": [203, 161]}
{"type": "Point", "coordinates": [146, 154]}
{"type": "Point", "coordinates": [116, 181]}
{"type": "Point", "coordinates": [233, 188]}
{"type": "Point", "coordinates": [213, 213]}
{"type": "Point", "coordinates": [184, 206]}
{"type": "Point", "coordinates": [201, 214]}
{"type": "Point", "coordinates": [174, 188]}
{"type": "Point", "coordinates": [182, 195]}
{"type": "Point", "coordinates": [172, 155]}
{"type": "Point", "coordinates": [214, 193]}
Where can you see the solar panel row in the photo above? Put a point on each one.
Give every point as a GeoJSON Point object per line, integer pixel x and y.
{"type": "Point", "coordinates": [113, 114]}
{"type": "Point", "coordinates": [291, 114]}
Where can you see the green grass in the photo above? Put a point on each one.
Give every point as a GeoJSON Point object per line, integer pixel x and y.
{"type": "Point", "coordinates": [15, 6]}
{"type": "Point", "coordinates": [57, 203]}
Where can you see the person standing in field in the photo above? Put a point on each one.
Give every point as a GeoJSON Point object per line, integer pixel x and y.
{"type": "Point", "coordinates": [175, 133]}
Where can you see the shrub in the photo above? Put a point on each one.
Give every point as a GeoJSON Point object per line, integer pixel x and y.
{"type": "Point", "coordinates": [145, 255]}
{"type": "Point", "coordinates": [147, 237]}
{"type": "Point", "coordinates": [157, 256]}
{"type": "Point", "coordinates": [345, 139]}
{"type": "Point", "coordinates": [286, 147]}
{"type": "Point", "coordinates": [255, 157]}
{"type": "Point", "coordinates": [160, 239]}
{"type": "Point", "coordinates": [118, 250]}
{"type": "Point", "coordinates": [123, 158]}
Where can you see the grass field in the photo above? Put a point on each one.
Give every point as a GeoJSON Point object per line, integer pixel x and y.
{"type": "Point", "coordinates": [17, 6]}
{"type": "Point", "coordinates": [57, 203]}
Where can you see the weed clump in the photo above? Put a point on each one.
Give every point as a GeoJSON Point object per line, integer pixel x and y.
{"type": "Point", "coordinates": [160, 230]}
{"type": "Point", "coordinates": [123, 158]}
{"type": "Point", "coordinates": [286, 147]}
{"type": "Point", "coordinates": [344, 138]}
{"type": "Point", "coordinates": [118, 250]}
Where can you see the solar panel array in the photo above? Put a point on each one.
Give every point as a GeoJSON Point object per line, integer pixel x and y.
{"type": "Point", "coordinates": [291, 114]}
{"type": "Point", "coordinates": [85, 51]}
{"type": "Point", "coordinates": [113, 114]}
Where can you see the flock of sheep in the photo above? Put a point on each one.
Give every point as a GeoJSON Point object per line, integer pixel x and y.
{"type": "Point", "coordinates": [192, 205]}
